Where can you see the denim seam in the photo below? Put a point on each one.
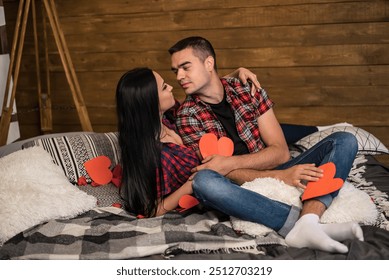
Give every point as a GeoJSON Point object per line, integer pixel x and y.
{"type": "Point", "coordinates": [290, 221]}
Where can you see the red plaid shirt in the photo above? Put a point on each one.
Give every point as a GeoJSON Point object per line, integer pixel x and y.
{"type": "Point", "coordinates": [195, 117]}
{"type": "Point", "coordinates": [177, 162]}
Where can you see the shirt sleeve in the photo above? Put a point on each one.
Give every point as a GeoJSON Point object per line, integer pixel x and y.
{"type": "Point", "coordinates": [262, 101]}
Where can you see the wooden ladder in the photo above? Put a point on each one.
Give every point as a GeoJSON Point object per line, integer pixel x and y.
{"type": "Point", "coordinates": [13, 72]}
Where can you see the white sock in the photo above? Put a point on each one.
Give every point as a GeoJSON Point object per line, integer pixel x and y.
{"type": "Point", "coordinates": [308, 232]}
{"type": "Point", "coordinates": [343, 231]}
{"type": "Point", "coordinates": [320, 128]}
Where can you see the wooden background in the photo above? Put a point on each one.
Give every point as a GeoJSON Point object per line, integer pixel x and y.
{"type": "Point", "coordinates": [322, 61]}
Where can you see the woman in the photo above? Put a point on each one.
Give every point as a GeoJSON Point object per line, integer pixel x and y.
{"type": "Point", "coordinates": [155, 163]}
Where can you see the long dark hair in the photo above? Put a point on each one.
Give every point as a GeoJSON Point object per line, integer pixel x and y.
{"type": "Point", "coordinates": [139, 127]}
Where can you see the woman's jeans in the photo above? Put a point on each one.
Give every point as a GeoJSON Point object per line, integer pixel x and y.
{"type": "Point", "coordinates": [216, 191]}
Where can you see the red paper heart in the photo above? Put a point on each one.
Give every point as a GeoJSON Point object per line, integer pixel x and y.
{"type": "Point", "coordinates": [210, 145]}
{"type": "Point", "coordinates": [98, 169]}
{"type": "Point", "coordinates": [82, 181]}
{"type": "Point", "coordinates": [117, 175]}
{"type": "Point", "coordinates": [187, 201]}
{"type": "Point", "coordinates": [117, 205]}
{"type": "Point", "coordinates": [325, 185]}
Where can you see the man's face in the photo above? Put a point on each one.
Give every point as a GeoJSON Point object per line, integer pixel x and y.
{"type": "Point", "coordinates": [192, 74]}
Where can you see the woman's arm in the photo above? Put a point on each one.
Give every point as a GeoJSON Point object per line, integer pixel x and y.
{"type": "Point", "coordinates": [170, 202]}
{"type": "Point", "coordinates": [245, 75]}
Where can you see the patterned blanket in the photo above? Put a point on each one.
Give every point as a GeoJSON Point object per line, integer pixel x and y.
{"type": "Point", "coordinates": [110, 233]}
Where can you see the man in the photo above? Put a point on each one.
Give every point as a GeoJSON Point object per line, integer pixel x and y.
{"type": "Point", "coordinates": [225, 107]}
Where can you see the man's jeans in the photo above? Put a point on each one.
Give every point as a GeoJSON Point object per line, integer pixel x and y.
{"type": "Point", "coordinates": [216, 191]}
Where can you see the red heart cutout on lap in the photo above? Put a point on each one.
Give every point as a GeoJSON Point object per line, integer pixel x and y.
{"type": "Point", "coordinates": [325, 185]}
{"type": "Point", "coordinates": [210, 145]}
{"type": "Point", "coordinates": [187, 201]}
{"type": "Point", "coordinates": [225, 146]}
{"type": "Point", "coordinates": [98, 169]}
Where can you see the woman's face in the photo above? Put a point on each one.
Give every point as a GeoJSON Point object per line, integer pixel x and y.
{"type": "Point", "coordinates": [165, 95]}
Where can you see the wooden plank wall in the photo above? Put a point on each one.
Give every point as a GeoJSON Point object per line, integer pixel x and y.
{"type": "Point", "coordinates": [322, 61]}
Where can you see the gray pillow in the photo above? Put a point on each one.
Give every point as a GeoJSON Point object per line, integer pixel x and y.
{"type": "Point", "coordinates": [368, 144]}
{"type": "Point", "coordinates": [71, 151]}
{"type": "Point", "coordinates": [18, 145]}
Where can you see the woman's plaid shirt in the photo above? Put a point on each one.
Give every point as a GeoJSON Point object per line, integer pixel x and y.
{"type": "Point", "coordinates": [177, 162]}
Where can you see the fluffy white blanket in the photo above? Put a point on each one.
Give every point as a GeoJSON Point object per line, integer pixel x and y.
{"type": "Point", "coordinates": [351, 204]}
{"type": "Point", "coordinates": [34, 190]}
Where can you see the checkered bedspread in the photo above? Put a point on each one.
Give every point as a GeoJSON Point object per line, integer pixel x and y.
{"type": "Point", "coordinates": [110, 233]}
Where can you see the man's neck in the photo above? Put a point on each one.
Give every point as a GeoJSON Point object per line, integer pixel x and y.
{"type": "Point", "coordinates": [214, 93]}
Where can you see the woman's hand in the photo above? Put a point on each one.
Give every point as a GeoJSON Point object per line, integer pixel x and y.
{"type": "Point", "coordinates": [300, 174]}
{"type": "Point", "coordinates": [245, 75]}
{"type": "Point", "coordinates": [170, 202]}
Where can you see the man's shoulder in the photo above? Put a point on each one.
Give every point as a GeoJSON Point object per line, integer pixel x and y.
{"type": "Point", "coordinates": [231, 81]}
{"type": "Point", "coordinates": [235, 85]}
{"type": "Point", "coordinates": [236, 88]}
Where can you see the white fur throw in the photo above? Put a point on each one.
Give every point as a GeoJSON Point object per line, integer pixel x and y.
{"type": "Point", "coordinates": [33, 190]}
{"type": "Point", "coordinates": [351, 204]}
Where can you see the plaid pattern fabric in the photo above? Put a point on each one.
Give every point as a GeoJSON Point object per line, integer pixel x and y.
{"type": "Point", "coordinates": [177, 163]}
{"type": "Point", "coordinates": [110, 233]}
{"type": "Point", "coordinates": [195, 118]}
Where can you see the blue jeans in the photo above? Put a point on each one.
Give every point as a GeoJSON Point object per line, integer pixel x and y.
{"type": "Point", "coordinates": [218, 192]}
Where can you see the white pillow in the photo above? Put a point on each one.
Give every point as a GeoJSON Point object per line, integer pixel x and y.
{"type": "Point", "coordinates": [368, 144]}
{"type": "Point", "coordinates": [33, 190]}
{"type": "Point", "coordinates": [351, 205]}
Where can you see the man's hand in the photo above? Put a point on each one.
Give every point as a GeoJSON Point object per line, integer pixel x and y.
{"type": "Point", "coordinates": [218, 163]}
{"type": "Point", "coordinates": [298, 175]}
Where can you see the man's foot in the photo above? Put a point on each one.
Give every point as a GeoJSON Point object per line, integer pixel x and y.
{"type": "Point", "coordinates": [308, 232]}
{"type": "Point", "coordinates": [343, 231]}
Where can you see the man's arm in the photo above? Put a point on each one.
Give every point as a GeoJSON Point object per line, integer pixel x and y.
{"type": "Point", "coordinates": [276, 151]}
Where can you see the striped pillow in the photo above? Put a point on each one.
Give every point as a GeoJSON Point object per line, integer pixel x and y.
{"type": "Point", "coordinates": [71, 152]}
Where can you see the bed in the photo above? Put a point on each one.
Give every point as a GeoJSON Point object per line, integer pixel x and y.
{"type": "Point", "coordinates": [52, 209]}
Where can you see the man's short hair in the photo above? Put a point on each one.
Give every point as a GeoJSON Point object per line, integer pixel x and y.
{"type": "Point", "coordinates": [202, 48]}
